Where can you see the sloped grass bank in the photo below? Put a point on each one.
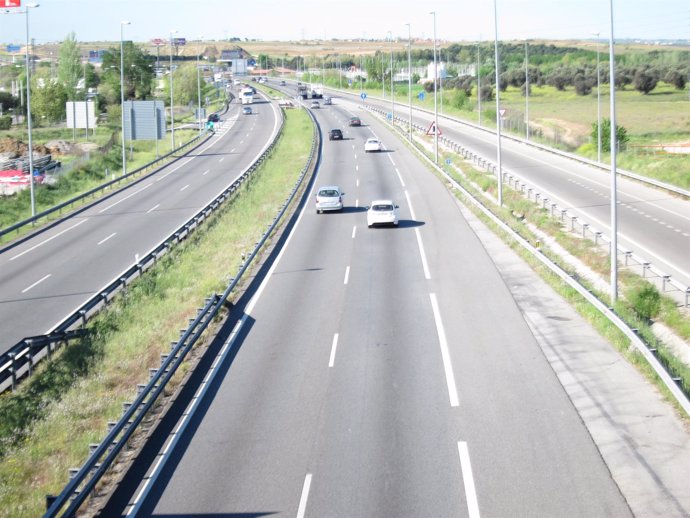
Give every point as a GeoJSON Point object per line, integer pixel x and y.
{"type": "Point", "coordinates": [46, 426]}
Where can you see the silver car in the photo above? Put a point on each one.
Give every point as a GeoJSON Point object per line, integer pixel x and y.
{"type": "Point", "coordinates": [329, 197]}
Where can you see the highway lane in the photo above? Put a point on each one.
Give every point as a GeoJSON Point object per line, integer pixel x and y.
{"type": "Point", "coordinates": [48, 276]}
{"type": "Point", "coordinates": [651, 223]}
{"type": "Point", "coordinates": [383, 372]}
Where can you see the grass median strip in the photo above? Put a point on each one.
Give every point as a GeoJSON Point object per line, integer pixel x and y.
{"type": "Point", "coordinates": [46, 427]}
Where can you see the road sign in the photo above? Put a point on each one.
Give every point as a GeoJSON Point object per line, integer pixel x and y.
{"type": "Point", "coordinates": [178, 42]}
{"type": "Point", "coordinates": [363, 95]}
{"type": "Point", "coordinates": [10, 3]}
{"type": "Point", "coordinates": [389, 115]}
{"type": "Point", "coordinates": [421, 96]}
{"type": "Point", "coordinates": [431, 130]}
{"type": "Point", "coordinates": [448, 161]}
{"type": "Point", "coordinates": [13, 48]}
{"type": "Point", "coordinates": [502, 112]}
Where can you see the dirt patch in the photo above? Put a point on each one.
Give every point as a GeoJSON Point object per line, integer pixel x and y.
{"type": "Point", "coordinates": [571, 133]}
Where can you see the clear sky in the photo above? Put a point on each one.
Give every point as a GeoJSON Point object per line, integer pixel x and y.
{"type": "Point", "coordinates": [456, 20]}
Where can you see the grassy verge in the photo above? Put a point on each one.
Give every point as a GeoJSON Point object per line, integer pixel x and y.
{"type": "Point", "coordinates": [45, 427]}
{"type": "Point", "coordinates": [83, 178]}
{"type": "Point", "coordinates": [477, 183]}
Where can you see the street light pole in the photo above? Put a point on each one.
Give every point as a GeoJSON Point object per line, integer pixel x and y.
{"type": "Point", "coordinates": [498, 111]}
{"type": "Point", "coordinates": [122, 95]}
{"type": "Point", "coordinates": [526, 93]}
{"type": "Point", "coordinates": [598, 104]}
{"type": "Point", "coordinates": [409, 78]}
{"type": "Point", "coordinates": [479, 85]}
{"type": "Point", "coordinates": [198, 89]}
{"type": "Point", "coordinates": [614, 193]}
{"type": "Point", "coordinates": [435, 100]}
{"type": "Point", "coordinates": [28, 114]}
{"type": "Point", "coordinates": [172, 97]}
{"type": "Point", "coordinates": [392, 90]}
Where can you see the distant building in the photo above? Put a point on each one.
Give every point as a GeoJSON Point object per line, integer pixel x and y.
{"type": "Point", "coordinates": [237, 60]}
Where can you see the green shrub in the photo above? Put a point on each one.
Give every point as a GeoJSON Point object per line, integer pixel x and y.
{"type": "Point", "coordinates": [645, 300]}
{"type": "Point", "coordinates": [5, 122]}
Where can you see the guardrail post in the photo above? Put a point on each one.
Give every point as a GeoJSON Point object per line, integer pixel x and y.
{"type": "Point", "coordinates": [545, 202]}
{"type": "Point", "coordinates": [645, 267]}
{"type": "Point", "coordinates": [585, 226]}
{"type": "Point", "coordinates": [664, 281]}
{"type": "Point", "coordinates": [573, 219]}
{"type": "Point", "coordinates": [13, 370]}
{"type": "Point", "coordinates": [563, 213]}
{"type": "Point", "coordinates": [628, 254]}
{"type": "Point", "coordinates": [687, 296]}
{"type": "Point", "coordinates": [597, 235]}
{"type": "Point", "coordinates": [536, 197]}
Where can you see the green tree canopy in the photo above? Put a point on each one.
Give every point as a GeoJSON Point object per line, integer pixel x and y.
{"type": "Point", "coordinates": [69, 70]}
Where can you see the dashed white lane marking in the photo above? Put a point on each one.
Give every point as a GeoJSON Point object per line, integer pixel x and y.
{"type": "Point", "coordinates": [221, 159]}
{"type": "Point", "coordinates": [48, 240]}
{"type": "Point", "coordinates": [420, 243]}
{"type": "Point", "coordinates": [205, 172]}
{"type": "Point", "coordinates": [357, 182]}
{"type": "Point", "coordinates": [347, 275]}
{"type": "Point", "coordinates": [468, 480]}
{"type": "Point", "coordinates": [305, 496]}
{"type": "Point", "coordinates": [183, 188]}
{"type": "Point", "coordinates": [104, 240]}
{"type": "Point", "coordinates": [125, 198]}
{"type": "Point", "coordinates": [153, 208]}
{"type": "Point", "coordinates": [354, 231]}
{"type": "Point", "coordinates": [445, 353]}
{"type": "Point", "coordinates": [334, 346]}
{"type": "Point", "coordinates": [36, 283]}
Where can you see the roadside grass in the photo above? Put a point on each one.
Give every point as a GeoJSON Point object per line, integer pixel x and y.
{"type": "Point", "coordinates": [46, 426]}
{"type": "Point", "coordinates": [81, 179]}
{"type": "Point", "coordinates": [516, 212]}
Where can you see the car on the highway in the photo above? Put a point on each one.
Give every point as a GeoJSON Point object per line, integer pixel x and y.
{"type": "Point", "coordinates": [327, 100]}
{"type": "Point", "coordinates": [315, 104]}
{"type": "Point", "coordinates": [382, 212]}
{"type": "Point", "coordinates": [329, 197]}
{"type": "Point", "coordinates": [354, 121]}
{"type": "Point", "coordinates": [372, 144]}
{"type": "Point", "coordinates": [214, 117]}
{"type": "Point", "coordinates": [282, 83]}
{"type": "Point", "coordinates": [335, 134]}
{"type": "Point", "coordinates": [246, 110]}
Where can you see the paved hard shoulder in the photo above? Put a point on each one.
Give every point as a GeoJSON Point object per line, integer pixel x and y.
{"type": "Point", "coordinates": [639, 435]}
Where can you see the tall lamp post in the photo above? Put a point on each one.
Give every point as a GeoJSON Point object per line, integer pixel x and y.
{"type": "Point", "coordinates": [479, 84]}
{"type": "Point", "coordinates": [614, 191]}
{"type": "Point", "coordinates": [435, 102]}
{"type": "Point", "coordinates": [409, 78]}
{"type": "Point", "coordinates": [498, 111]}
{"type": "Point", "coordinates": [122, 94]}
{"type": "Point", "coordinates": [172, 97]}
{"type": "Point", "coordinates": [198, 89]}
{"type": "Point", "coordinates": [392, 91]}
{"type": "Point", "coordinates": [28, 113]}
{"type": "Point", "coordinates": [598, 104]}
{"type": "Point", "coordinates": [526, 93]}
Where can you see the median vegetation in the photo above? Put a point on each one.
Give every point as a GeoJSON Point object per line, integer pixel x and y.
{"type": "Point", "coordinates": [46, 426]}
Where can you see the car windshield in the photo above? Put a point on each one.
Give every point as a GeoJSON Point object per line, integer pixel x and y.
{"type": "Point", "coordinates": [328, 193]}
{"type": "Point", "coordinates": [382, 207]}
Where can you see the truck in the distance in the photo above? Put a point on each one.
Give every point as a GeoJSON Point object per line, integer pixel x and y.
{"type": "Point", "coordinates": [247, 95]}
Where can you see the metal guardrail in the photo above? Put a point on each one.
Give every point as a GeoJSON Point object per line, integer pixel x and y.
{"type": "Point", "coordinates": [68, 203]}
{"type": "Point", "coordinates": [102, 456]}
{"type": "Point", "coordinates": [517, 182]}
{"type": "Point", "coordinates": [21, 358]}
{"type": "Point", "coordinates": [673, 384]}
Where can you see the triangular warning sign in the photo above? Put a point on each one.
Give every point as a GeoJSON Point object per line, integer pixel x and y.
{"type": "Point", "coordinates": [431, 130]}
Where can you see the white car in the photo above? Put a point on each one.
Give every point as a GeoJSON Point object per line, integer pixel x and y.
{"type": "Point", "coordinates": [382, 212]}
{"type": "Point", "coordinates": [329, 197]}
{"type": "Point", "coordinates": [372, 144]}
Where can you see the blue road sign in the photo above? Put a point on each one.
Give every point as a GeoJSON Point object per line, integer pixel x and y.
{"type": "Point", "coordinates": [363, 95]}
{"type": "Point", "coordinates": [389, 115]}
{"type": "Point", "coordinates": [421, 96]}
{"type": "Point", "coordinates": [448, 161]}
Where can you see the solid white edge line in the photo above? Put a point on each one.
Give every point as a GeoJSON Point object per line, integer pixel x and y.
{"type": "Point", "coordinates": [334, 346]}
{"type": "Point", "coordinates": [305, 496]}
{"type": "Point", "coordinates": [402, 182]}
{"type": "Point", "coordinates": [445, 353]}
{"type": "Point", "coordinates": [422, 253]}
{"type": "Point", "coordinates": [347, 275]}
{"type": "Point", "coordinates": [48, 240]}
{"type": "Point", "coordinates": [468, 480]}
{"type": "Point", "coordinates": [36, 283]}
{"type": "Point", "coordinates": [409, 204]}
{"type": "Point", "coordinates": [105, 239]}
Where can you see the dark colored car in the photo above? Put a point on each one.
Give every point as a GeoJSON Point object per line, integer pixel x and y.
{"type": "Point", "coordinates": [335, 134]}
{"type": "Point", "coordinates": [214, 117]}
{"type": "Point", "coordinates": [354, 121]}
